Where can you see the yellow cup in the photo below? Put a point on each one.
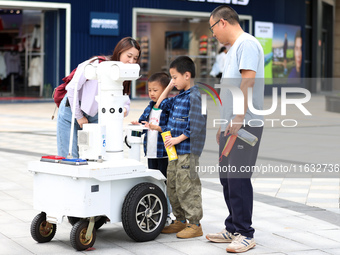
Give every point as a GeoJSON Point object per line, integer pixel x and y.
{"type": "Point", "coordinates": [171, 151]}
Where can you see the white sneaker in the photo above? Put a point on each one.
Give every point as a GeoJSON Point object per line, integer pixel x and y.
{"type": "Point", "coordinates": [168, 221]}
{"type": "Point", "coordinates": [222, 237]}
{"type": "Point", "coordinates": [241, 244]}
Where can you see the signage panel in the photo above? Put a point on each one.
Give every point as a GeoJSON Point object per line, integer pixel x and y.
{"type": "Point", "coordinates": [103, 23]}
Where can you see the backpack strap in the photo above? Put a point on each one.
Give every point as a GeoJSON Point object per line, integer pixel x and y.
{"type": "Point", "coordinates": [99, 58]}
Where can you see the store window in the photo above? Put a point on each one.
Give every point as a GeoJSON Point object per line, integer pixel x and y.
{"type": "Point", "coordinates": [165, 35]}
{"type": "Point", "coordinates": [21, 54]}
{"type": "Point", "coordinates": [165, 38]}
{"type": "Point", "coordinates": [29, 38]}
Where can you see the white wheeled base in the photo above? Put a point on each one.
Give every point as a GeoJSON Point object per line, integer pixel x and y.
{"type": "Point", "coordinates": [94, 191]}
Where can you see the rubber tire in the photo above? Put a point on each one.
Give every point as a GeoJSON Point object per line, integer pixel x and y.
{"type": "Point", "coordinates": [78, 231]}
{"type": "Point", "coordinates": [35, 229]}
{"type": "Point", "coordinates": [129, 212]}
{"type": "Point", "coordinates": [73, 220]}
{"type": "Point", "coordinates": [98, 224]}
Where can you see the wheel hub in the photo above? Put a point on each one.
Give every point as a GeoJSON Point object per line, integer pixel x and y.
{"type": "Point", "coordinates": [46, 229]}
{"type": "Point", "coordinates": [83, 238]}
{"type": "Point", "coordinates": [148, 213]}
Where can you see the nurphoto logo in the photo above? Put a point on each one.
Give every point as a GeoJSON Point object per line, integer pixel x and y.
{"type": "Point", "coordinates": [238, 105]}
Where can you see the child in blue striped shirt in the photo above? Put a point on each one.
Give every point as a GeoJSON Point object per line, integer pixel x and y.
{"type": "Point", "coordinates": [156, 120]}
{"type": "Point", "coordinates": [188, 129]}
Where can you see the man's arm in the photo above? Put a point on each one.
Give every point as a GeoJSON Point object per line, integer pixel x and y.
{"type": "Point", "coordinates": [248, 81]}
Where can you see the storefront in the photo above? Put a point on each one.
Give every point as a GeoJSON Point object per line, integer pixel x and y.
{"type": "Point", "coordinates": [33, 47]}
{"type": "Point", "coordinates": [166, 34]}
{"type": "Point", "coordinates": [305, 26]}
{"type": "Point", "coordinates": [165, 30]}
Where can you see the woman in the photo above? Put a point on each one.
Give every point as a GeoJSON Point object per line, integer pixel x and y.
{"type": "Point", "coordinates": [127, 51]}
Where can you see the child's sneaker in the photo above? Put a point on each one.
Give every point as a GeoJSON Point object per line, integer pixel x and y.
{"type": "Point", "coordinates": [192, 230]}
{"type": "Point", "coordinates": [174, 227]}
{"type": "Point", "coordinates": [241, 244]}
{"type": "Point", "coordinates": [222, 237]}
{"type": "Point", "coordinates": [168, 221]}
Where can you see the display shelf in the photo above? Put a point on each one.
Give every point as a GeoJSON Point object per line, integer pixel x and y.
{"type": "Point", "coordinates": [204, 59]}
{"type": "Point", "coordinates": [207, 50]}
{"type": "Point", "coordinates": [144, 64]}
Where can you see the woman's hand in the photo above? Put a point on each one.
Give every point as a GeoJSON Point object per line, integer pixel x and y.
{"type": "Point", "coordinates": [82, 121]}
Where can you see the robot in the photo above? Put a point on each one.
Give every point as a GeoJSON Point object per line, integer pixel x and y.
{"type": "Point", "coordinates": [102, 186]}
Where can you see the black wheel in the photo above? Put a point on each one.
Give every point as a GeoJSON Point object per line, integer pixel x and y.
{"type": "Point", "coordinates": [100, 221]}
{"type": "Point", "coordinates": [41, 230]}
{"type": "Point", "coordinates": [78, 236]}
{"type": "Point", "coordinates": [73, 220]}
{"type": "Point", "coordinates": [144, 212]}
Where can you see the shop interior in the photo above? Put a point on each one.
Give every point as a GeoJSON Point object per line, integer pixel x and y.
{"type": "Point", "coordinates": [21, 53]}
{"type": "Point", "coordinates": [163, 38]}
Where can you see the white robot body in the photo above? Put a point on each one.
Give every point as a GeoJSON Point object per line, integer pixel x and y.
{"type": "Point", "coordinates": [111, 101]}
{"type": "Point", "coordinates": [134, 139]}
{"type": "Point", "coordinates": [106, 186]}
{"type": "Point", "coordinates": [111, 115]}
{"type": "Point", "coordinates": [92, 142]}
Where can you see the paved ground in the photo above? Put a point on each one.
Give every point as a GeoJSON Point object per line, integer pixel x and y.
{"type": "Point", "coordinates": [292, 214]}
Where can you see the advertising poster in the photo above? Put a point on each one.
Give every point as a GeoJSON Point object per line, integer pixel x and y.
{"type": "Point", "coordinates": [282, 47]}
{"type": "Point", "coordinates": [264, 33]}
{"type": "Point", "coordinates": [287, 53]}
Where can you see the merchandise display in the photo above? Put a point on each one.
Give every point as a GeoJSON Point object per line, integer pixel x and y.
{"type": "Point", "coordinates": [144, 59]}
{"type": "Point", "coordinates": [144, 64]}
{"type": "Point", "coordinates": [207, 51]}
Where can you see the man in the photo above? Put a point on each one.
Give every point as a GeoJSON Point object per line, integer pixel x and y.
{"type": "Point", "coordinates": [244, 68]}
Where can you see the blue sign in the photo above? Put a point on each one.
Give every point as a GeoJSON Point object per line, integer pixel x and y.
{"type": "Point", "coordinates": [104, 23]}
{"type": "Point", "coordinates": [239, 2]}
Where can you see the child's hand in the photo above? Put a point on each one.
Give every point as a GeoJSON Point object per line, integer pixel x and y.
{"type": "Point", "coordinates": [165, 93]}
{"type": "Point", "coordinates": [146, 124]}
{"type": "Point", "coordinates": [149, 125]}
{"type": "Point", "coordinates": [135, 123]}
{"type": "Point", "coordinates": [152, 126]}
{"type": "Point", "coordinates": [171, 83]}
{"type": "Point", "coordinates": [171, 142]}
